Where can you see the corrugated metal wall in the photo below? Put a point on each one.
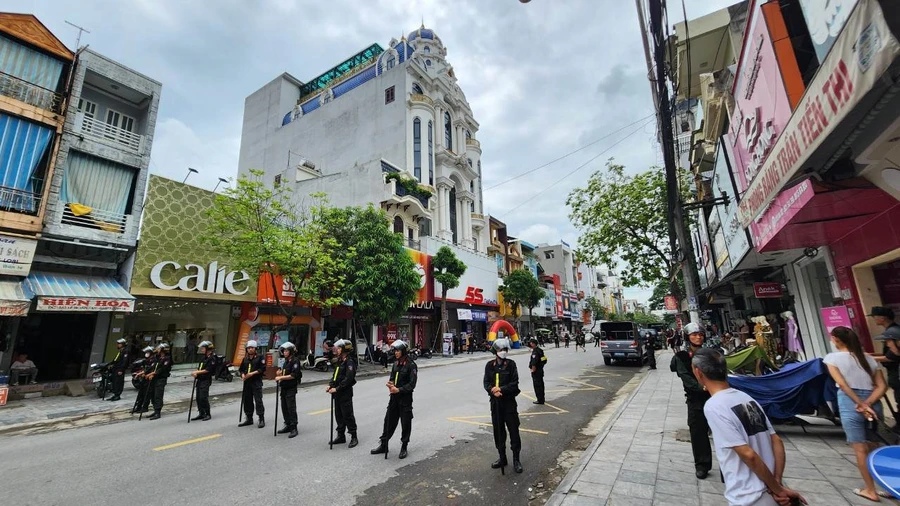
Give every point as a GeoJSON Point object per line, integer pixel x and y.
{"type": "Point", "coordinates": [29, 65]}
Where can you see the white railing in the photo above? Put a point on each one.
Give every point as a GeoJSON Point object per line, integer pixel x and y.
{"type": "Point", "coordinates": [97, 219]}
{"type": "Point", "coordinates": [19, 201]}
{"type": "Point", "coordinates": [109, 133]}
{"type": "Point", "coordinates": [32, 94]}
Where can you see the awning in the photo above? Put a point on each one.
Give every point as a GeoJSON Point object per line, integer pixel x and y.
{"type": "Point", "coordinates": [72, 292]}
{"type": "Point", "coordinates": [15, 298]}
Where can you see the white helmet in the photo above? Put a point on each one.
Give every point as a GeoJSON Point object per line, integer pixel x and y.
{"type": "Point", "coordinates": [287, 346]}
{"type": "Point", "coordinates": [148, 349]}
{"type": "Point", "coordinates": [500, 345]}
{"type": "Point", "coordinates": [252, 344]}
{"type": "Point", "coordinates": [343, 344]}
{"type": "Point", "coordinates": [121, 341]}
{"type": "Point", "coordinates": [693, 328]}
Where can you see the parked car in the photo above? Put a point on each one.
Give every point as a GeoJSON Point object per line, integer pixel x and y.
{"type": "Point", "coordinates": [620, 341]}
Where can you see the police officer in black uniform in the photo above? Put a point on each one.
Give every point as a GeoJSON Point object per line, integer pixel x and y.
{"type": "Point", "coordinates": [696, 398]}
{"type": "Point", "coordinates": [252, 370]}
{"type": "Point", "coordinates": [401, 384]}
{"type": "Point", "coordinates": [206, 370]}
{"type": "Point", "coordinates": [142, 403]}
{"type": "Point", "coordinates": [341, 389]}
{"type": "Point", "coordinates": [117, 367]}
{"type": "Point", "coordinates": [536, 364]}
{"type": "Point", "coordinates": [158, 377]}
{"type": "Point", "coordinates": [501, 382]}
{"type": "Point", "coordinates": [288, 378]}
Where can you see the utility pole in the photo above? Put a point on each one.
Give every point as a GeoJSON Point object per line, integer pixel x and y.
{"type": "Point", "coordinates": [679, 242]}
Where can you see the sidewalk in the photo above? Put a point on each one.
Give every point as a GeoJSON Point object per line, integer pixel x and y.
{"type": "Point", "coordinates": [643, 457]}
{"type": "Point", "coordinates": [62, 410]}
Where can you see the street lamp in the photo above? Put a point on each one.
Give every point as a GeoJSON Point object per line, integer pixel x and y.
{"type": "Point", "coordinates": [190, 171]}
{"type": "Point", "coordinates": [221, 180]}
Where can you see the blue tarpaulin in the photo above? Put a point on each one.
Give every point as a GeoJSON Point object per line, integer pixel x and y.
{"type": "Point", "coordinates": [796, 389]}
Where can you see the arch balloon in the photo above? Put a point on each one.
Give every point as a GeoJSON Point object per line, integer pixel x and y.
{"type": "Point", "coordinates": [508, 329]}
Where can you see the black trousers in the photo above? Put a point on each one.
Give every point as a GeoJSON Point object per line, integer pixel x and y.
{"type": "Point", "coordinates": [399, 410]}
{"type": "Point", "coordinates": [596, 342]}
{"type": "Point", "coordinates": [253, 393]}
{"type": "Point", "coordinates": [289, 405]}
{"type": "Point", "coordinates": [343, 414]}
{"type": "Point", "coordinates": [505, 417]}
{"type": "Point", "coordinates": [651, 357]}
{"type": "Point", "coordinates": [537, 379]}
{"type": "Point", "coordinates": [158, 388]}
{"type": "Point", "coordinates": [893, 381]}
{"type": "Point", "coordinates": [699, 429]}
{"type": "Point", "coordinates": [203, 396]}
{"type": "Point", "coordinates": [118, 382]}
{"type": "Point", "coordinates": [143, 396]}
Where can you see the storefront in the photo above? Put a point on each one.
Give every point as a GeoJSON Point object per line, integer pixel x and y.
{"type": "Point", "coordinates": [16, 255]}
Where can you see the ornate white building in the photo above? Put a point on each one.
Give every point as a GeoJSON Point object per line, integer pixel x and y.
{"type": "Point", "coordinates": [381, 112]}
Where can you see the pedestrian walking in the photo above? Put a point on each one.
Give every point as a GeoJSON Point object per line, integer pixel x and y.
{"type": "Point", "coordinates": [567, 339]}
{"type": "Point", "coordinates": [695, 398]}
{"type": "Point", "coordinates": [583, 339]}
{"type": "Point", "coordinates": [206, 369]}
{"type": "Point", "coordinates": [536, 364]}
{"type": "Point", "coordinates": [288, 378]}
{"type": "Point", "coordinates": [890, 359]}
{"type": "Point", "coordinates": [252, 370]}
{"type": "Point", "coordinates": [743, 437]}
{"type": "Point", "coordinates": [142, 403]}
{"type": "Point", "coordinates": [501, 382]}
{"type": "Point", "coordinates": [341, 389]}
{"type": "Point", "coordinates": [651, 352]}
{"type": "Point", "coordinates": [596, 341]}
{"type": "Point", "coordinates": [401, 384]}
{"type": "Point", "coordinates": [556, 338]}
{"type": "Point", "coordinates": [118, 365]}
{"type": "Point", "coordinates": [861, 387]}
{"type": "Point", "coordinates": [158, 377]}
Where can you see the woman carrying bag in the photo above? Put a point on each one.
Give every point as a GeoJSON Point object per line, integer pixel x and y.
{"type": "Point", "coordinates": [861, 387]}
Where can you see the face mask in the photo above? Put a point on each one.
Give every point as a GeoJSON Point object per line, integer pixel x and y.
{"type": "Point", "coordinates": [502, 354]}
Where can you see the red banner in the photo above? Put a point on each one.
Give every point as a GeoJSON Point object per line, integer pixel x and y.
{"type": "Point", "coordinates": [423, 268]}
{"type": "Point", "coordinates": [559, 295]}
{"type": "Point", "coordinates": [768, 290]}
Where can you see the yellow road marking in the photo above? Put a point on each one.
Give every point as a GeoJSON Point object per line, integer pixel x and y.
{"type": "Point", "coordinates": [591, 387]}
{"type": "Point", "coordinates": [483, 424]}
{"type": "Point", "coordinates": [319, 412]}
{"type": "Point", "coordinates": [188, 442]}
{"type": "Point", "coordinates": [453, 381]}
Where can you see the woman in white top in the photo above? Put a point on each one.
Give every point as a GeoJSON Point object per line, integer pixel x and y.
{"type": "Point", "coordinates": [861, 387]}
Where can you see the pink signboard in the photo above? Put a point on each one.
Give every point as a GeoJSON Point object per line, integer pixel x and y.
{"type": "Point", "coordinates": [836, 316]}
{"type": "Point", "coordinates": [762, 108]}
{"type": "Point", "coordinates": [783, 208]}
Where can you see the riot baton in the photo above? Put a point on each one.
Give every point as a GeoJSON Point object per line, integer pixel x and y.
{"type": "Point", "coordinates": [144, 398]}
{"type": "Point", "coordinates": [137, 398]}
{"type": "Point", "coordinates": [275, 428]}
{"type": "Point", "coordinates": [331, 434]}
{"type": "Point", "coordinates": [191, 405]}
{"type": "Point", "coordinates": [241, 414]}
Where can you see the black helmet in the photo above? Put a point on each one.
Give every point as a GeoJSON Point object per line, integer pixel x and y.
{"type": "Point", "coordinates": [532, 340]}
{"type": "Point", "coordinates": [400, 346]}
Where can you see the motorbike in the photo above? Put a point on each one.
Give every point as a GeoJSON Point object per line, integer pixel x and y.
{"type": "Point", "coordinates": [136, 367]}
{"type": "Point", "coordinates": [314, 362]}
{"type": "Point", "coordinates": [102, 378]}
{"type": "Point", "coordinates": [226, 370]}
{"type": "Point", "coordinates": [415, 353]}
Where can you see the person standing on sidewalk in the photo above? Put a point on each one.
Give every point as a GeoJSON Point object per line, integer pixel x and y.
{"type": "Point", "coordinates": [143, 395]}
{"type": "Point", "coordinates": [158, 379]}
{"type": "Point", "coordinates": [401, 384]}
{"type": "Point", "coordinates": [536, 364]}
{"type": "Point", "coordinates": [501, 382]}
{"type": "Point", "coordinates": [206, 368]}
{"type": "Point", "coordinates": [288, 378]}
{"type": "Point", "coordinates": [119, 363]}
{"type": "Point", "coordinates": [884, 317]}
{"type": "Point", "coordinates": [341, 389]}
{"type": "Point", "coordinates": [751, 455]}
{"type": "Point", "coordinates": [695, 397]}
{"type": "Point", "coordinates": [252, 369]}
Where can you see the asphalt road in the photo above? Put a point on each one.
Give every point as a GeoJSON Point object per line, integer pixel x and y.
{"type": "Point", "coordinates": [168, 461]}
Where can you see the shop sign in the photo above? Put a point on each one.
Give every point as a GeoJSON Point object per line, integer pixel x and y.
{"type": "Point", "coordinates": [77, 304]}
{"type": "Point", "coordinates": [768, 290]}
{"type": "Point", "coordinates": [14, 307]}
{"type": "Point", "coordinates": [566, 300]}
{"type": "Point", "coordinates": [863, 51]}
{"type": "Point", "coordinates": [783, 208]}
{"type": "Point", "coordinates": [736, 242]}
{"type": "Point", "coordinates": [464, 314]}
{"type": "Point", "coordinates": [825, 24]}
{"type": "Point", "coordinates": [424, 306]}
{"type": "Point", "coordinates": [557, 291]}
{"type": "Point", "coordinates": [414, 316]}
{"type": "Point", "coordinates": [478, 285]}
{"type": "Point", "coordinates": [16, 255]}
{"type": "Point", "coordinates": [836, 316]}
{"type": "Point", "coordinates": [479, 316]}
{"type": "Point", "coordinates": [4, 395]}
{"type": "Point", "coordinates": [212, 279]}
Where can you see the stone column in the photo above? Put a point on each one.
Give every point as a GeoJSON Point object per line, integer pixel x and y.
{"type": "Point", "coordinates": [467, 223]}
{"type": "Point", "coordinates": [444, 231]}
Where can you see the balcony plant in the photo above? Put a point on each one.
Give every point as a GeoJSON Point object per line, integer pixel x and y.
{"type": "Point", "coordinates": [409, 184]}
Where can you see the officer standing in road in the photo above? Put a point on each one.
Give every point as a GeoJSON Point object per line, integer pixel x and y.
{"type": "Point", "coordinates": [501, 381]}
{"type": "Point", "coordinates": [204, 374]}
{"type": "Point", "coordinates": [696, 398]}
{"type": "Point", "coordinates": [252, 369]}
{"type": "Point", "coordinates": [401, 384]}
{"type": "Point", "coordinates": [288, 378]}
{"type": "Point", "coordinates": [158, 377]}
{"type": "Point", "coordinates": [118, 366]}
{"type": "Point", "coordinates": [341, 389]}
{"type": "Point", "coordinates": [536, 364]}
{"type": "Point", "coordinates": [143, 396]}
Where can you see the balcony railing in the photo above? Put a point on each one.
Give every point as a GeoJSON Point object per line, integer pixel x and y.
{"type": "Point", "coordinates": [19, 201]}
{"type": "Point", "coordinates": [32, 94]}
{"type": "Point", "coordinates": [402, 192]}
{"type": "Point", "coordinates": [110, 134]}
{"type": "Point", "coordinates": [413, 244]}
{"type": "Point", "coordinates": [473, 143]}
{"type": "Point", "coordinates": [418, 97]}
{"type": "Point", "coordinates": [95, 218]}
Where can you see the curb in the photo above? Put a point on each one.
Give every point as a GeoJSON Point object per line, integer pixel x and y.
{"type": "Point", "coordinates": [562, 490]}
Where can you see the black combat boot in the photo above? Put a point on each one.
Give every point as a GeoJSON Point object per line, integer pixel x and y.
{"type": "Point", "coordinates": [154, 416]}
{"type": "Point", "coordinates": [198, 417]}
{"type": "Point", "coordinates": [382, 448]}
{"type": "Point", "coordinates": [353, 440]}
{"type": "Point", "coordinates": [262, 422]}
{"type": "Point", "coordinates": [207, 417]}
{"type": "Point", "coordinates": [501, 462]}
{"type": "Point", "coordinates": [403, 452]}
{"type": "Point", "coordinates": [293, 432]}
{"type": "Point", "coordinates": [247, 422]}
{"type": "Point", "coordinates": [339, 440]}
{"type": "Point", "coordinates": [517, 466]}
{"type": "Point", "coordinates": [284, 430]}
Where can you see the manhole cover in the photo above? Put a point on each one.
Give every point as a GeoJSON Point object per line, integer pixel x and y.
{"type": "Point", "coordinates": [683, 435]}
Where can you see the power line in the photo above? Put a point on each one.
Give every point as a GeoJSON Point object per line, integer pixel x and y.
{"type": "Point", "coordinates": [560, 180]}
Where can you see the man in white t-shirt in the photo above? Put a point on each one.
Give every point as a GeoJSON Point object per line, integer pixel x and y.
{"type": "Point", "coordinates": [751, 456]}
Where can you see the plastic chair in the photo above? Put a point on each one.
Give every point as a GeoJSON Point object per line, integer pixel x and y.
{"type": "Point", "coordinates": [884, 465]}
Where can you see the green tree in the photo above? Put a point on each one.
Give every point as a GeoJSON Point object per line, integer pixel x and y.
{"type": "Point", "coordinates": [521, 289]}
{"type": "Point", "coordinates": [662, 288]}
{"type": "Point", "coordinates": [623, 222]}
{"type": "Point", "coordinates": [446, 269]}
{"type": "Point", "coordinates": [261, 229]}
{"type": "Point", "coordinates": [380, 278]}
{"type": "Point", "coordinates": [597, 309]}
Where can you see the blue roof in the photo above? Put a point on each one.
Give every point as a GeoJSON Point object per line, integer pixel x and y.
{"type": "Point", "coordinates": [52, 284]}
{"type": "Point", "coordinates": [423, 33]}
{"type": "Point", "coordinates": [354, 82]}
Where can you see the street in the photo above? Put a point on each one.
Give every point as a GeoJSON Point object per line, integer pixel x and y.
{"type": "Point", "coordinates": [171, 462]}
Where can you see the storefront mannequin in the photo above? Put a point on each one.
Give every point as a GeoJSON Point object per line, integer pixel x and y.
{"type": "Point", "coordinates": [792, 335]}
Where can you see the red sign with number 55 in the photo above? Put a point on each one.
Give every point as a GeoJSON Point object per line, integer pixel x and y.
{"type": "Point", "coordinates": [474, 295]}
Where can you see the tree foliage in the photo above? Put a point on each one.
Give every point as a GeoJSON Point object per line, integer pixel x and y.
{"type": "Point", "coordinates": [623, 223]}
{"type": "Point", "coordinates": [597, 309]}
{"type": "Point", "coordinates": [662, 288]}
{"type": "Point", "coordinates": [521, 289]}
{"type": "Point", "coordinates": [446, 269]}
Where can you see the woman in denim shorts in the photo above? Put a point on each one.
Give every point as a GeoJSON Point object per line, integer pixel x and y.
{"type": "Point", "coordinates": [859, 399]}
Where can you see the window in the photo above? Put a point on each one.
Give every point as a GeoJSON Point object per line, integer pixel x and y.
{"type": "Point", "coordinates": [479, 167]}
{"type": "Point", "coordinates": [417, 149]}
{"type": "Point", "coordinates": [389, 95]}
{"type": "Point", "coordinates": [426, 49]}
{"type": "Point", "coordinates": [277, 180]}
{"type": "Point", "coordinates": [470, 163]}
{"type": "Point", "coordinates": [89, 109]}
{"type": "Point", "coordinates": [430, 153]}
{"type": "Point", "coordinates": [417, 89]}
{"type": "Point", "coordinates": [427, 63]}
{"type": "Point", "coordinates": [448, 132]}
{"type": "Point", "coordinates": [117, 119]}
{"type": "Point", "coordinates": [391, 62]}
{"type": "Point", "coordinates": [472, 182]}
{"type": "Point", "coordinates": [468, 134]}
{"type": "Point", "coordinates": [398, 225]}
{"type": "Point", "coordinates": [548, 255]}
{"type": "Point", "coordinates": [453, 213]}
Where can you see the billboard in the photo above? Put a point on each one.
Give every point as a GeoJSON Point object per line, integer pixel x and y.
{"type": "Point", "coordinates": [735, 237]}
{"type": "Point", "coordinates": [478, 285]}
{"type": "Point", "coordinates": [423, 267]}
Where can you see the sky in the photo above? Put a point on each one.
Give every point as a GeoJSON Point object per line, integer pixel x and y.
{"type": "Point", "coordinates": [542, 78]}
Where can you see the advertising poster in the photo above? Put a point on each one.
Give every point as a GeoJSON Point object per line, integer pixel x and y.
{"type": "Point", "coordinates": [448, 344]}
{"type": "Point", "coordinates": [836, 316]}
